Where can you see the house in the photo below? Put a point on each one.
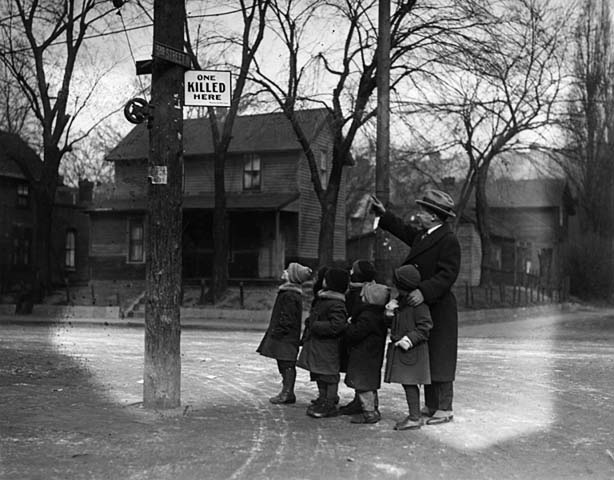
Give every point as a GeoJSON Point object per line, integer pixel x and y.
{"type": "Point", "coordinates": [70, 235]}
{"type": "Point", "coordinates": [273, 212]}
{"type": "Point", "coordinates": [528, 225]}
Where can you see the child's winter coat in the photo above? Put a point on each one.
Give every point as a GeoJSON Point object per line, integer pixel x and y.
{"type": "Point", "coordinates": [409, 367]}
{"type": "Point", "coordinates": [366, 342]}
{"type": "Point", "coordinates": [322, 335]}
{"type": "Point", "coordinates": [281, 340]}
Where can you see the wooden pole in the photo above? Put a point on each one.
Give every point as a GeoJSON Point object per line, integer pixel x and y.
{"type": "Point", "coordinates": [382, 172]}
{"type": "Point", "coordinates": [162, 372]}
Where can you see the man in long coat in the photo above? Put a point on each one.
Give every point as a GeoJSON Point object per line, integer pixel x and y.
{"type": "Point", "coordinates": [436, 252]}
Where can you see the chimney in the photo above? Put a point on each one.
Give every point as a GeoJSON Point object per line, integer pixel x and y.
{"type": "Point", "coordinates": [86, 190]}
{"type": "Point", "coordinates": [448, 182]}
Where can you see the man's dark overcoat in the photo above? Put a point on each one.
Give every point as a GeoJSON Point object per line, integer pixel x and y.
{"type": "Point", "coordinates": [281, 340]}
{"type": "Point", "coordinates": [321, 351]}
{"type": "Point", "coordinates": [366, 340]}
{"type": "Point", "coordinates": [437, 257]}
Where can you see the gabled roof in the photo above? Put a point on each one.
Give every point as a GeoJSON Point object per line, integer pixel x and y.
{"type": "Point", "coordinates": [533, 193]}
{"type": "Point", "coordinates": [251, 133]}
{"type": "Point", "coordinates": [12, 149]}
{"type": "Point", "coordinates": [513, 193]}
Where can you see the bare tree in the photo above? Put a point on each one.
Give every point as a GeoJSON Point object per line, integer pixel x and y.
{"type": "Point", "coordinates": [589, 149]}
{"type": "Point", "coordinates": [502, 84]}
{"type": "Point", "coordinates": [40, 45]}
{"type": "Point", "coordinates": [254, 15]}
{"type": "Point", "coordinates": [346, 68]}
{"type": "Point", "coordinates": [86, 161]}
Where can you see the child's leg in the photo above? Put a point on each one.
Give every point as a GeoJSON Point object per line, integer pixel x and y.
{"type": "Point", "coordinates": [412, 395]}
{"type": "Point", "coordinates": [412, 421]}
{"type": "Point", "coordinates": [328, 407]}
{"type": "Point", "coordinates": [287, 369]}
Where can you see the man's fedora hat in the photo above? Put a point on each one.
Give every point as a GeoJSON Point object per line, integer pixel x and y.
{"type": "Point", "coordinates": [438, 202]}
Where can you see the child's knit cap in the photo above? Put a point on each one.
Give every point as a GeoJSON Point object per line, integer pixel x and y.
{"type": "Point", "coordinates": [406, 277]}
{"type": "Point", "coordinates": [298, 273]}
{"type": "Point", "coordinates": [363, 271]}
{"type": "Point", "coordinates": [375, 293]}
{"type": "Point", "coordinates": [337, 279]}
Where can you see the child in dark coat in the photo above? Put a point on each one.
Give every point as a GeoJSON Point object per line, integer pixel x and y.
{"type": "Point", "coordinates": [281, 340]}
{"type": "Point", "coordinates": [321, 341]}
{"type": "Point", "coordinates": [366, 341]}
{"type": "Point", "coordinates": [362, 271]}
{"type": "Point", "coordinates": [407, 358]}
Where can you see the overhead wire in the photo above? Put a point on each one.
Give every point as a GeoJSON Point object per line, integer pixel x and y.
{"type": "Point", "coordinates": [130, 48]}
{"type": "Point", "coordinates": [123, 30]}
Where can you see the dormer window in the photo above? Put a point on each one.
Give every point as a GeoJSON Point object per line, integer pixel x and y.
{"type": "Point", "coordinates": [23, 195]}
{"type": "Point", "coordinates": [251, 172]}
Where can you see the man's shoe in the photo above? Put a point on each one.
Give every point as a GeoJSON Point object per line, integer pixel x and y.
{"type": "Point", "coordinates": [352, 408]}
{"type": "Point", "coordinates": [408, 424]}
{"type": "Point", "coordinates": [440, 416]}
{"type": "Point", "coordinates": [427, 412]}
{"type": "Point", "coordinates": [367, 417]}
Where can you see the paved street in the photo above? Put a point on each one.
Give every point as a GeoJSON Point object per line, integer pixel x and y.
{"type": "Point", "coordinates": [533, 400]}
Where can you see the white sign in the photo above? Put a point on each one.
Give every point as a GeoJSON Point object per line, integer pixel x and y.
{"type": "Point", "coordinates": [207, 88]}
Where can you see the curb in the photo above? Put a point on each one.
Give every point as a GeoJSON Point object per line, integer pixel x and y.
{"type": "Point", "coordinates": [237, 320]}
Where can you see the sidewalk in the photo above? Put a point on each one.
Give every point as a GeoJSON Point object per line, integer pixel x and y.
{"type": "Point", "coordinates": [242, 320]}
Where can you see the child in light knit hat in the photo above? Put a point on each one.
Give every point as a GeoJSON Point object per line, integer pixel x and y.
{"type": "Point", "coordinates": [281, 340]}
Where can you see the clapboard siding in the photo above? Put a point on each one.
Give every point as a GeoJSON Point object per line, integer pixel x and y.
{"type": "Point", "coordinates": [130, 178]}
{"type": "Point", "coordinates": [109, 236]}
{"type": "Point", "coordinates": [116, 268]}
{"type": "Point", "coordinates": [278, 173]}
{"type": "Point", "coordinates": [310, 211]}
{"type": "Point", "coordinates": [536, 225]}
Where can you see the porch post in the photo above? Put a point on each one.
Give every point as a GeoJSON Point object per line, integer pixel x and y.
{"type": "Point", "coordinates": [278, 255]}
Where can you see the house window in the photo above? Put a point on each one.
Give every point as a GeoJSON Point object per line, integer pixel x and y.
{"type": "Point", "coordinates": [23, 195]}
{"type": "Point", "coordinates": [70, 249]}
{"type": "Point", "coordinates": [135, 241]}
{"type": "Point", "coordinates": [323, 168]}
{"type": "Point", "coordinates": [22, 242]}
{"type": "Point", "coordinates": [251, 172]}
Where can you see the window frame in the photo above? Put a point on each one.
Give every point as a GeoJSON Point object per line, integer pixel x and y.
{"type": "Point", "coordinates": [23, 198]}
{"type": "Point", "coordinates": [135, 242]}
{"type": "Point", "coordinates": [22, 246]}
{"type": "Point", "coordinates": [70, 250]}
{"type": "Point", "coordinates": [249, 161]}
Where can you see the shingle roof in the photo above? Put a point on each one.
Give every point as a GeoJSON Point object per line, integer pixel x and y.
{"type": "Point", "coordinates": [263, 132]}
{"type": "Point", "coordinates": [528, 193]}
{"type": "Point", "coordinates": [533, 193]}
{"type": "Point", "coordinates": [12, 149]}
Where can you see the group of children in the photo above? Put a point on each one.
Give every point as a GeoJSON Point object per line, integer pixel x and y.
{"type": "Point", "coordinates": [346, 331]}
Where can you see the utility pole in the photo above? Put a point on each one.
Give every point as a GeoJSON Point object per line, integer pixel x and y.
{"type": "Point", "coordinates": [162, 372]}
{"type": "Point", "coordinates": [382, 170]}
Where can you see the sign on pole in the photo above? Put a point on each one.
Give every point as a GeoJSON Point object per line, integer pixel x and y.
{"type": "Point", "coordinates": [207, 88]}
{"type": "Point", "coordinates": [170, 54]}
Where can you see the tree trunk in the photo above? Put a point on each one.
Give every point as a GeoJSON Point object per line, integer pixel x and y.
{"type": "Point", "coordinates": [219, 274]}
{"type": "Point", "coordinates": [326, 240]}
{"type": "Point", "coordinates": [44, 201]}
{"type": "Point", "coordinates": [162, 372]}
{"type": "Point", "coordinates": [482, 217]}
